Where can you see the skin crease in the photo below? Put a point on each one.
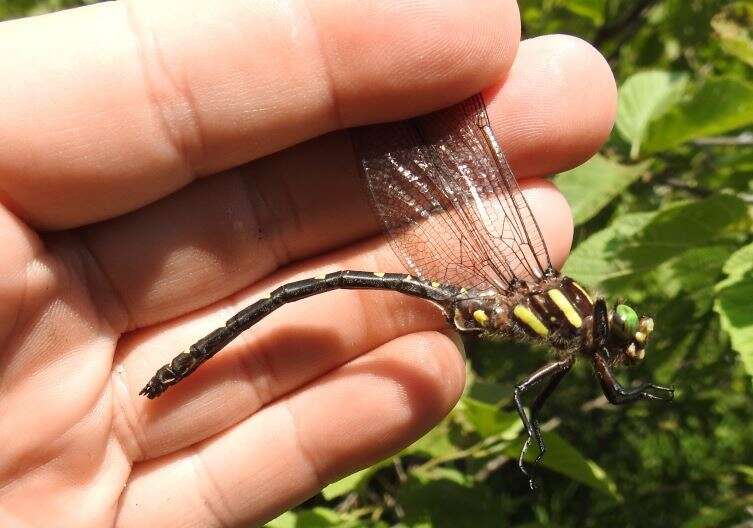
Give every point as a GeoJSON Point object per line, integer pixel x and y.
{"type": "Point", "coordinates": [156, 176]}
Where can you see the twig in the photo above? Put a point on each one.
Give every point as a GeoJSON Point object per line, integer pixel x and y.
{"type": "Point", "coordinates": [391, 502]}
{"type": "Point", "coordinates": [400, 470]}
{"type": "Point", "coordinates": [463, 453]}
{"type": "Point", "coordinates": [744, 139]}
{"type": "Point", "coordinates": [348, 502]}
{"type": "Point", "coordinates": [680, 185]}
{"type": "Point", "coordinates": [600, 402]}
{"type": "Point", "coordinates": [700, 192]}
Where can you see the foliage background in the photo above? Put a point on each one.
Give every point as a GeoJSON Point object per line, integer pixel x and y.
{"type": "Point", "coordinates": [663, 218]}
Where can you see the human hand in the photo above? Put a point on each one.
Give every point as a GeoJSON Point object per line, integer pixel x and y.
{"type": "Point", "coordinates": [119, 249]}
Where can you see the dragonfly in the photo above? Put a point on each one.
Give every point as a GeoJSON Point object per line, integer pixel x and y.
{"type": "Point", "coordinates": [452, 210]}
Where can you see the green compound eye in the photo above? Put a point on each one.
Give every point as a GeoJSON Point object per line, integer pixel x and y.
{"type": "Point", "coordinates": [625, 321]}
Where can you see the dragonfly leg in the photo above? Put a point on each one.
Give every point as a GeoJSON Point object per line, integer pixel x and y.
{"type": "Point", "coordinates": [601, 324]}
{"type": "Point", "coordinates": [554, 371]}
{"type": "Point", "coordinates": [618, 395]}
{"type": "Point", "coordinates": [538, 403]}
{"type": "Point", "coordinates": [185, 363]}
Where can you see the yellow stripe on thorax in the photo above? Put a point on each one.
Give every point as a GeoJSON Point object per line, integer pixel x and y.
{"type": "Point", "coordinates": [566, 306]}
{"type": "Point", "coordinates": [583, 291]}
{"type": "Point", "coordinates": [528, 318]}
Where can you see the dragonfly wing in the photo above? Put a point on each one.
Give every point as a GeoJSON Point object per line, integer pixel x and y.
{"type": "Point", "coordinates": [448, 200]}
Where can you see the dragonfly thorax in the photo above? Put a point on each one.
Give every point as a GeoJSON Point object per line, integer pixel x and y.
{"type": "Point", "coordinates": [555, 310]}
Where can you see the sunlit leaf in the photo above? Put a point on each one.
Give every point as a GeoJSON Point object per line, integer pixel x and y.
{"type": "Point", "coordinates": [642, 98]}
{"type": "Point", "coordinates": [718, 106]}
{"type": "Point", "coordinates": [435, 443]}
{"type": "Point", "coordinates": [592, 186]}
{"type": "Point", "coordinates": [638, 242]}
{"type": "Point", "coordinates": [746, 471]}
{"type": "Point", "coordinates": [488, 420]}
{"type": "Point", "coordinates": [739, 264]}
{"type": "Point", "coordinates": [286, 520]}
{"type": "Point", "coordinates": [596, 258]}
{"type": "Point", "coordinates": [734, 304]}
{"type": "Point", "coordinates": [734, 29]}
{"type": "Point", "coordinates": [352, 482]}
{"type": "Point", "coordinates": [691, 271]}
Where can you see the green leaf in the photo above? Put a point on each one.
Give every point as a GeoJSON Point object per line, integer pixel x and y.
{"type": "Point", "coordinates": [687, 283]}
{"type": "Point", "coordinates": [591, 9]}
{"type": "Point", "coordinates": [693, 271]}
{"type": "Point", "coordinates": [441, 473]}
{"type": "Point", "coordinates": [734, 306]}
{"type": "Point", "coordinates": [718, 106]}
{"type": "Point", "coordinates": [707, 518]}
{"type": "Point", "coordinates": [286, 520]}
{"type": "Point", "coordinates": [595, 260]}
{"type": "Point", "coordinates": [488, 420]}
{"type": "Point", "coordinates": [436, 443]}
{"type": "Point", "coordinates": [434, 502]}
{"type": "Point", "coordinates": [590, 187]}
{"type": "Point", "coordinates": [642, 98]}
{"type": "Point", "coordinates": [320, 518]}
{"type": "Point", "coordinates": [746, 471]}
{"type": "Point", "coordinates": [739, 263]}
{"type": "Point", "coordinates": [352, 482]}
{"type": "Point", "coordinates": [637, 243]}
{"type": "Point", "coordinates": [490, 392]}
{"type": "Point", "coordinates": [563, 458]}
{"type": "Point", "coordinates": [733, 29]}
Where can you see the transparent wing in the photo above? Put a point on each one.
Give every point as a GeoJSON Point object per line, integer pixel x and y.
{"type": "Point", "coordinates": [448, 199]}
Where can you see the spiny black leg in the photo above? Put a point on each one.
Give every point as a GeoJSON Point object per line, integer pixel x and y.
{"type": "Point", "coordinates": [557, 369]}
{"type": "Point", "coordinates": [618, 395]}
{"type": "Point", "coordinates": [539, 402]}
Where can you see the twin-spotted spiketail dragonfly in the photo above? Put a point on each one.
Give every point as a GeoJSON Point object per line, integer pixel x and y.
{"type": "Point", "coordinates": [454, 214]}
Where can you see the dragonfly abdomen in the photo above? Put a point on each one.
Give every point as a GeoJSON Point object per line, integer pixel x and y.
{"type": "Point", "coordinates": [186, 362]}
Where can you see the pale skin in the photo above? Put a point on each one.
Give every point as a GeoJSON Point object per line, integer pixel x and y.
{"type": "Point", "coordinates": [138, 211]}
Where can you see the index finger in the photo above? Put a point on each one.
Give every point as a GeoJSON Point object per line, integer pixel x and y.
{"type": "Point", "coordinates": [120, 104]}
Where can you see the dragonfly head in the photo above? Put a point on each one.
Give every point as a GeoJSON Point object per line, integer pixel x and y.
{"type": "Point", "coordinates": [629, 334]}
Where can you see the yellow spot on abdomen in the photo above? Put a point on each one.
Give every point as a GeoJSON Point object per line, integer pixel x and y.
{"type": "Point", "coordinates": [583, 291]}
{"type": "Point", "coordinates": [566, 306]}
{"type": "Point", "coordinates": [481, 317]}
{"type": "Point", "coordinates": [528, 318]}
{"type": "Point", "coordinates": [380, 274]}
{"type": "Point", "coordinates": [435, 285]}
{"type": "Point", "coordinates": [320, 277]}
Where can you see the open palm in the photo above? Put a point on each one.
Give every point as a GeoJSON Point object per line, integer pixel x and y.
{"type": "Point", "coordinates": [118, 250]}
